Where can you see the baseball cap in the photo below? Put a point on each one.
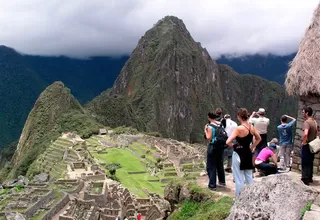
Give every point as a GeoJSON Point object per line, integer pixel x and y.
{"type": "Point", "coordinates": [261, 110]}
{"type": "Point", "coordinates": [273, 146]}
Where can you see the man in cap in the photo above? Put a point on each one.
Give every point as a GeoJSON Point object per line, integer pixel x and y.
{"type": "Point", "coordinates": [261, 123]}
{"type": "Point", "coordinates": [230, 126]}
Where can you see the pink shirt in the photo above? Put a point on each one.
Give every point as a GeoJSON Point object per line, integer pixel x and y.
{"type": "Point", "coordinates": [265, 154]}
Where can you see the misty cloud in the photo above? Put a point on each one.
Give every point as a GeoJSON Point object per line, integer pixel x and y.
{"type": "Point", "coordinates": [113, 27]}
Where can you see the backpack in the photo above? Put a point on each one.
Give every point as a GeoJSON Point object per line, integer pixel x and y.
{"type": "Point", "coordinates": [220, 137]}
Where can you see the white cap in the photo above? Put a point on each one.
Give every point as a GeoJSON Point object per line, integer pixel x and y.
{"type": "Point", "coordinates": [261, 110]}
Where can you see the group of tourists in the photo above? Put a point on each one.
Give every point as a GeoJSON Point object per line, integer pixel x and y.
{"type": "Point", "coordinates": [246, 147]}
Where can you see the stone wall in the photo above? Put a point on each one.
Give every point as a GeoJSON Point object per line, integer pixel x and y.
{"type": "Point", "coordinates": [78, 188]}
{"type": "Point", "coordinates": [100, 199]}
{"type": "Point", "coordinates": [56, 208]}
{"type": "Point", "coordinates": [95, 177]}
{"type": "Point", "coordinates": [40, 203]}
{"type": "Point", "coordinates": [314, 103]}
{"type": "Point", "coordinates": [66, 218]}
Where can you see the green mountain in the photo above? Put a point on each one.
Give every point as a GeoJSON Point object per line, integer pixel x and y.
{"type": "Point", "coordinates": [19, 88]}
{"type": "Point", "coordinates": [54, 112]}
{"type": "Point", "coordinates": [170, 83]}
{"type": "Point", "coordinates": [254, 92]}
{"type": "Point", "coordinates": [23, 77]}
{"type": "Point", "coordinates": [86, 78]}
{"type": "Point", "coordinates": [270, 67]}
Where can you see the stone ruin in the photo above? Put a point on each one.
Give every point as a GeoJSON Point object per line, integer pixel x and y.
{"type": "Point", "coordinates": [113, 200]}
{"type": "Point", "coordinates": [87, 193]}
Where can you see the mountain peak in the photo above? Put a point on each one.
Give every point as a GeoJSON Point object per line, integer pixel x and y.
{"type": "Point", "coordinates": [171, 21]}
{"type": "Point", "coordinates": [169, 25]}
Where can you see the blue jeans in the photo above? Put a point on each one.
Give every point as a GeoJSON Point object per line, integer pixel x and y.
{"type": "Point", "coordinates": [240, 175]}
{"type": "Point", "coordinates": [214, 166]}
{"type": "Point", "coordinates": [267, 168]}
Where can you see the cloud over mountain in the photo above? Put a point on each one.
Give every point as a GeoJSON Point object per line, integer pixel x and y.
{"type": "Point", "coordinates": [113, 27]}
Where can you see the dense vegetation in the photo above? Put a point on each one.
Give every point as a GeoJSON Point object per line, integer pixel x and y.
{"type": "Point", "coordinates": [19, 88]}
{"type": "Point", "coordinates": [195, 202]}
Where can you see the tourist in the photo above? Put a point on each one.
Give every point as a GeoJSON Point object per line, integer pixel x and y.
{"type": "Point", "coordinates": [214, 153]}
{"type": "Point", "coordinates": [125, 218]}
{"type": "Point", "coordinates": [242, 157]}
{"type": "Point", "coordinates": [230, 126]}
{"type": "Point", "coordinates": [262, 160]}
{"type": "Point", "coordinates": [139, 216]}
{"type": "Point", "coordinates": [286, 143]}
{"type": "Point", "coordinates": [118, 218]}
{"type": "Point", "coordinates": [260, 123]}
{"type": "Point", "coordinates": [219, 112]}
{"type": "Point", "coordinates": [309, 134]}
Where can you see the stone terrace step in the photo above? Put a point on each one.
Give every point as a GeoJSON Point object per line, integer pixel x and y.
{"type": "Point", "coordinates": [56, 157]}
{"type": "Point", "coordinates": [54, 151]}
{"type": "Point", "coordinates": [64, 140]}
{"type": "Point", "coordinates": [59, 146]}
{"type": "Point", "coordinates": [72, 157]}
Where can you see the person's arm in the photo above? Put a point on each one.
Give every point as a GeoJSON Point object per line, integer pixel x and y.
{"type": "Point", "coordinates": [274, 159]}
{"type": "Point", "coordinates": [292, 118]}
{"type": "Point", "coordinates": [306, 128]}
{"type": "Point", "coordinates": [256, 140]}
{"type": "Point", "coordinates": [252, 117]}
{"type": "Point", "coordinates": [208, 132]}
{"type": "Point", "coordinates": [232, 137]}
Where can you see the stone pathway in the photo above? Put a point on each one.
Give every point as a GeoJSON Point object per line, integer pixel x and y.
{"type": "Point", "coordinates": [229, 189]}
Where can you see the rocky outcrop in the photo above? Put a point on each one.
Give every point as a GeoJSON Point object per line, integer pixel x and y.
{"type": "Point", "coordinates": [41, 178]}
{"type": "Point", "coordinates": [20, 181]}
{"type": "Point", "coordinates": [180, 191]}
{"type": "Point", "coordinates": [276, 197]}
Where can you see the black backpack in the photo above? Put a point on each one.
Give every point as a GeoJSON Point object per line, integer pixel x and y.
{"type": "Point", "coordinates": [221, 135]}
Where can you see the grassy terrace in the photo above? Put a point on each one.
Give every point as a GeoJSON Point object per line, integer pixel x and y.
{"type": "Point", "coordinates": [129, 162]}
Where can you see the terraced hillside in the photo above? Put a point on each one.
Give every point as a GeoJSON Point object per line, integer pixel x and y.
{"type": "Point", "coordinates": [55, 159]}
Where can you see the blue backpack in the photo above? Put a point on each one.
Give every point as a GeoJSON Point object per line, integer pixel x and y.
{"type": "Point", "coordinates": [219, 135]}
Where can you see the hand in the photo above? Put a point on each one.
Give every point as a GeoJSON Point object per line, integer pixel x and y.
{"type": "Point", "coordinates": [254, 113]}
{"type": "Point", "coordinates": [205, 128]}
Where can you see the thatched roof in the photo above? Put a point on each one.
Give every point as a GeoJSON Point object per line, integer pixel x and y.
{"type": "Point", "coordinates": [303, 78]}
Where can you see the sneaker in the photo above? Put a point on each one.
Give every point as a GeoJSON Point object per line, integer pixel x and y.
{"type": "Point", "coordinates": [212, 189]}
{"type": "Point", "coordinates": [222, 184]}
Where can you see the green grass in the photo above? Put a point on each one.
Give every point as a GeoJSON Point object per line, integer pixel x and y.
{"type": "Point", "coordinates": [39, 215]}
{"type": "Point", "coordinates": [307, 208]}
{"type": "Point", "coordinates": [204, 210]}
{"type": "Point", "coordinates": [96, 190]}
{"type": "Point", "coordinates": [129, 162]}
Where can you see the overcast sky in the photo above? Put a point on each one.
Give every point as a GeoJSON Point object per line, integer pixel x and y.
{"type": "Point", "coordinates": [113, 27]}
